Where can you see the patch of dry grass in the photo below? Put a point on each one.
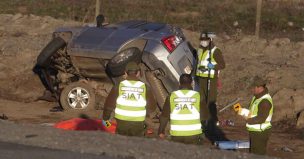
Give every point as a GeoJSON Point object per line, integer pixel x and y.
{"type": "Point", "coordinates": [279, 17]}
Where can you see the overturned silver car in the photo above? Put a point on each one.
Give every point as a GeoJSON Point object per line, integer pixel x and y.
{"type": "Point", "coordinates": [76, 57]}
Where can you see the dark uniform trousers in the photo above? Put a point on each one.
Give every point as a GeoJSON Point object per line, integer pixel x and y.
{"type": "Point", "coordinates": [209, 111]}
{"type": "Point", "coordinates": [130, 128]}
{"type": "Point", "coordinates": [258, 141]}
{"type": "Point", "coordinates": [195, 139]}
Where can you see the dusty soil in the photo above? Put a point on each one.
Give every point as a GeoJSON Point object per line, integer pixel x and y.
{"type": "Point", "coordinates": [23, 36]}
{"type": "Point", "coordinates": [104, 144]}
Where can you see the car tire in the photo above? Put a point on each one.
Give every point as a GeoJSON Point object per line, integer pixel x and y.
{"type": "Point", "coordinates": [117, 69]}
{"type": "Point", "coordinates": [51, 48]}
{"type": "Point", "coordinates": [78, 96]}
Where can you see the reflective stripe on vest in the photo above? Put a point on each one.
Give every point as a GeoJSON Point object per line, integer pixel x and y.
{"type": "Point", "coordinates": [131, 102]}
{"type": "Point", "coordinates": [203, 62]}
{"type": "Point", "coordinates": [185, 116]}
{"type": "Point", "coordinates": [254, 112]}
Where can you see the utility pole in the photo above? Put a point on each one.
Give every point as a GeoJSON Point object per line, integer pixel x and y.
{"type": "Point", "coordinates": [258, 18]}
{"type": "Point", "coordinates": [97, 8]}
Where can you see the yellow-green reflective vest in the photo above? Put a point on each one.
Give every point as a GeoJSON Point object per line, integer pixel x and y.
{"type": "Point", "coordinates": [203, 61]}
{"type": "Point", "coordinates": [131, 102]}
{"type": "Point", "coordinates": [185, 115]}
{"type": "Point", "coordinates": [253, 109]}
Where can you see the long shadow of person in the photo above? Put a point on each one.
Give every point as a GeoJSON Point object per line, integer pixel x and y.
{"type": "Point", "coordinates": [212, 131]}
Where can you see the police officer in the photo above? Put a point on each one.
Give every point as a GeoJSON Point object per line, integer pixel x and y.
{"type": "Point", "coordinates": [258, 116]}
{"type": "Point", "coordinates": [182, 108]}
{"type": "Point", "coordinates": [209, 61]}
{"type": "Point", "coordinates": [132, 101]}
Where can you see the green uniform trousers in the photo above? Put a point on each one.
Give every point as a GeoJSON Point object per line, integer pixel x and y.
{"type": "Point", "coordinates": [208, 111]}
{"type": "Point", "coordinates": [258, 141]}
{"type": "Point", "coordinates": [195, 139]}
{"type": "Point", "coordinates": [130, 128]}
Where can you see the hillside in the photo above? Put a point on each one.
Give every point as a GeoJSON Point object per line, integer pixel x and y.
{"type": "Point", "coordinates": [280, 18]}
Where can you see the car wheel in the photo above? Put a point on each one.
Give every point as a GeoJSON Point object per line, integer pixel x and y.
{"type": "Point", "coordinates": [117, 64]}
{"type": "Point", "coordinates": [51, 48]}
{"type": "Point", "coordinates": [78, 96]}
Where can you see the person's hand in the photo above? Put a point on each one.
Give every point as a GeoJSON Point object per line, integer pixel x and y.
{"type": "Point", "coordinates": [161, 136]}
{"type": "Point", "coordinates": [210, 65]}
{"type": "Point", "coordinates": [106, 123]}
{"type": "Point", "coordinates": [241, 111]}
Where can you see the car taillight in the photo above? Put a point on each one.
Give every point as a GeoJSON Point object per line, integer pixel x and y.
{"type": "Point", "coordinates": [171, 42]}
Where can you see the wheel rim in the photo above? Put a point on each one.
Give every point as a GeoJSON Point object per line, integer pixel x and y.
{"type": "Point", "coordinates": [78, 98]}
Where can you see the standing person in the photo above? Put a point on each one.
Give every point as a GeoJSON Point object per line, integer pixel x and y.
{"type": "Point", "coordinates": [182, 108]}
{"type": "Point", "coordinates": [132, 101]}
{"type": "Point", "coordinates": [209, 61]}
{"type": "Point", "coordinates": [258, 117]}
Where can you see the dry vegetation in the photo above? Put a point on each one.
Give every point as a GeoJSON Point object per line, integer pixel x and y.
{"type": "Point", "coordinates": [280, 18]}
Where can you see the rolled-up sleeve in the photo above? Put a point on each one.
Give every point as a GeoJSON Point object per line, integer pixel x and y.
{"type": "Point", "coordinates": [110, 103]}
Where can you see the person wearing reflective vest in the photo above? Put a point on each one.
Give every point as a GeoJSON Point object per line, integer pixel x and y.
{"type": "Point", "coordinates": [209, 62]}
{"type": "Point", "coordinates": [131, 101]}
{"type": "Point", "coordinates": [182, 108]}
{"type": "Point", "coordinates": [258, 116]}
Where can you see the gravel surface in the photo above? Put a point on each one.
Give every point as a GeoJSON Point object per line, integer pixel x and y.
{"type": "Point", "coordinates": [99, 143]}
{"type": "Point", "coordinates": [19, 151]}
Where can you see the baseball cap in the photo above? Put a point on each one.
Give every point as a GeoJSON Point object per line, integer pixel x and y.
{"type": "Point", "coordinates": [258, 81]}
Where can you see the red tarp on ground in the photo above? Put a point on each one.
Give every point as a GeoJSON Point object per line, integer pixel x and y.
{"type": "Point", "coordinates": [85, 124]}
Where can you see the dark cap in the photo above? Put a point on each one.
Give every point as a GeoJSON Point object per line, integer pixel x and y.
{"type": "Point", "coordinates": [258, 81]}
{"type": "Point", "coordinates": [204, 36]}
{"type": "Point", "coordinates": [207, 35]}
{"type": "Point", "coordinates": [132, 66]}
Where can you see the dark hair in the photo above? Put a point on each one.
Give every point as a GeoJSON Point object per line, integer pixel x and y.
{"type": "Point", "coordinates": [185, 79]}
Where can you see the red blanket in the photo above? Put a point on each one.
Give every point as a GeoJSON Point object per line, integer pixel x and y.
{"type": "Point", "coordinates": [85, 124]}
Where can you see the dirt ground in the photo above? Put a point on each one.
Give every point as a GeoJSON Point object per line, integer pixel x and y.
{"type": "Point", "coordinates": [23, 36]}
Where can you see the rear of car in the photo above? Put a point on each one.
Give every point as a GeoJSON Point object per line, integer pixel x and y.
{"type": "Point", "coordinates": [169, 53]}
{"type": "Point", "coordinates": [93, 54]}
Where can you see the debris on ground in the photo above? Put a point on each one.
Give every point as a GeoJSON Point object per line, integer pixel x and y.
{"type": "Point", "coordinates": [3, 117]}
{"type": "Point", "coordinates": [284, 149]}
{"type": "Point", "coordinates": [85, 124]}
{"type": "Point", "coordinates": [232, 145]}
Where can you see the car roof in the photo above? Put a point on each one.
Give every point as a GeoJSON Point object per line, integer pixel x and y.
{"type": "Point", "coordinates": [104, 42]}
{"type": "Point", "coordinates": [138, 24]}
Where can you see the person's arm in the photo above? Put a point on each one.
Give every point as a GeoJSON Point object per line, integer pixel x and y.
{"type": "Point", "coordinates": [218, 57]}
{"type": "Point", "coordinates": [164, 117]}
{"type": "Point", "coordinates": [263, 112]}
{"type": "Point", "coordinates": [110, 103]}
{"type": "Point", "coordinates": [195, 59]}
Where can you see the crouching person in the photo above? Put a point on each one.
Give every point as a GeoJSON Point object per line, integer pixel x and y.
{"type": "Point", "coordinates": [132, 101]}
{"type": "Point", "coordinates": [182, 108]}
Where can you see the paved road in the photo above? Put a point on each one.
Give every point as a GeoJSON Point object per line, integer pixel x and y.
{"type": "Point", "coordinates": [17, 151]}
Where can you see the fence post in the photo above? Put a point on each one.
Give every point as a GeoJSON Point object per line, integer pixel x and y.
{"type": "Point", "coordinates": [97, 8]}
{"type": "Point", "coordinates": [258, 18]}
